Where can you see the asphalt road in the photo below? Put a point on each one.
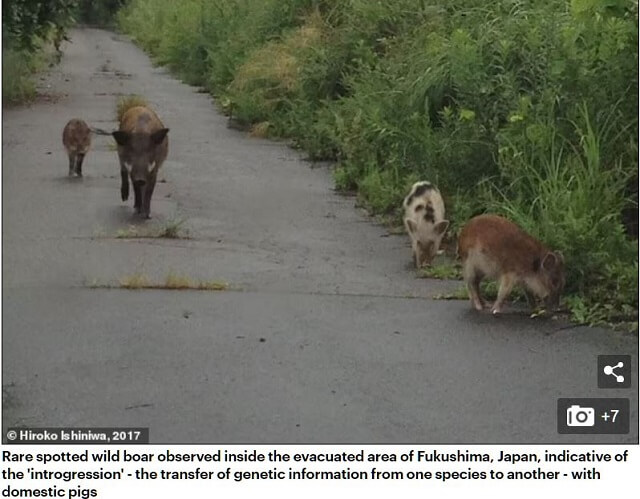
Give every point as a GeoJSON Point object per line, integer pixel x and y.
{"type": "Point", "coordinates": [326, 335]}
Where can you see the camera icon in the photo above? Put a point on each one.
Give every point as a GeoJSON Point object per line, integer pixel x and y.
{"type": "Point", "coordinates": [581, 416]}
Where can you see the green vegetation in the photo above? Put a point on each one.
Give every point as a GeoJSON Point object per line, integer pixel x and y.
{"type": "Point", "coordinates": [98, 12]}
{"type": "Point", "coordinates": [18, 67]}
{"type": "Point", "coordinates": [524, 108]}
{"type": "Point", "coordinates": [174, 281]}
{"type": "Point", "coordinates": [26, 23]}
{"type": "Point", "coordinates": [446, 270]}
{"type": "Point", "coordinates": [459, 293]}
{"type": "Point", "coordinates": [28, 26]}
{"type": "Point", "coordinates": [31, 27]}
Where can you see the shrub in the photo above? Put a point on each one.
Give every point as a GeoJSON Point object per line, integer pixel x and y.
{"type": "Point", "coordinates": [18, 67]}
{"type": "Point", "coordinates": [571, 198]}
{"type": "Point", "coordinates": [503, 105]}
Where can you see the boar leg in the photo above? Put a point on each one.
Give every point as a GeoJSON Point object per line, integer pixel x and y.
{"type": "Point", "coordinates": [507, 282]}
{"type": "Point", "coordinates": [473, 279]}
{"type": "Point", "coordinates": [414, 252]}
{"type": "Point", "coordinates": [531, 299]}
{"type": "Point", "coordinates": [474, 292]}
{"type": "Point", "coordinates": [72, 162]}
{"type": "Point", "coordinates": [421, 257]}
{"type": "Point", "coordinates": [137, 196]}
{"type": "Point", "coordinates": [124, 186]}
{"type": "Point", "coordinates": [79, 160]}
{"type": "Point", "coordinates": [151, 184]}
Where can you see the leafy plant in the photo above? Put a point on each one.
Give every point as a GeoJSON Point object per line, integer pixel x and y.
{"type": "Point", "coordinates": [528, 109]}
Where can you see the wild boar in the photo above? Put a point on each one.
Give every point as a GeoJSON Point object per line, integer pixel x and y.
{"type": "Point", "coordinates": [424, 221]}
{"type": "Point", "coordinates": [494, 247]}
{"type": "Point", "coordinates": [142, 148]}
{"type": "Point", "coordinates": [76, 138]}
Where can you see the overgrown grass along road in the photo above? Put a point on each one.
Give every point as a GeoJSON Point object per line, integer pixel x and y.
{"type": "Point", "coordinates": [524, 108]}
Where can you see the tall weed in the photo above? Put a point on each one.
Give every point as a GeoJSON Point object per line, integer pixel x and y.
{"type": "Point", "coordinates": [569, 196]}
{"type": "Point", "coordinates": [18, 67]}
{"type": "Point", "coordinates": [526, 108]}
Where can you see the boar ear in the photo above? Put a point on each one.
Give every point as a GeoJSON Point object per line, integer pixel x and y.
{"type": "Point", "coordinates": [441, 227]}
{"type": "Point", "coordinates": [559, 256]}
{"type": "Point", "coordinates": [411, 225]}
{"type": "Point", "coordinates": [122, 138]}
{"type": "Point", "coordinates": [549, 261]}
{"type": "Point", "coordinates": [158, 136]}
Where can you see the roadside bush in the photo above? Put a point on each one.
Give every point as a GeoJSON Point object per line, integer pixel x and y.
{"type": "Point", "coordinates": [28, 26]}
{"type": "Point", "coordinates": [98, 12]}
{"type": "Point", "coordinates": [522, 107]}
{"type": "Point", "coordinates": [25, 23]}
{"type": "Point", "coordinates": [17, 68]}
{"type": "Point", "coordinates": [569, 197]}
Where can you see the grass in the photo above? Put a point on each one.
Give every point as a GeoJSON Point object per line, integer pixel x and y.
{"type": "Point", "coordinates": [528, 109]}
{"type": "Point", "coordinates": [170, 229]}
{"type": "Point", "coordinates": [569, 196]}
{"type": "Point", "coordinates": [176, 281]}
{"type": "Point", "coordinates": [448, 270]}
{"type": "Point", "coordinates": [259, 130]}
{"type": "Point", "coordinates": [18, 69]}
{"type": "Point", "coordinates": [173, 281]}
{"type": "Point", "coordinates": [460, 293]}
{"type": "Point", "coordinates": [127, 102]}
{"type": "Point", "coordinates": [134, 281]}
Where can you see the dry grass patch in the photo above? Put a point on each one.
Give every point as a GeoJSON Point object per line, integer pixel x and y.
{"type": "Point", "coordinates": [259, 130]}
{"type": "Point", "coordinates": [134, 281]}
{"type": "Point", "coordinates": [442, 271]}
{"type": "Point", "coordinates": [173, 281]}
{"type": "Point", "coordinates": [173, 229]}
{"type": "Point", "coordinates": [170, 229]}
{"type": "Point", "coordinates": [213, 286]}
{"type": "Point", "coordinates": [176, 281]}
{"type": "Point", "coordinates": [127, 102]}
{"type": "Point", "coordinates": [273, 71]}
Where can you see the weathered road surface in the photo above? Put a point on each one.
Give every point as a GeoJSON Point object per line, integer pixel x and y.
{"type": "Point", "coordinates": [329, 336]}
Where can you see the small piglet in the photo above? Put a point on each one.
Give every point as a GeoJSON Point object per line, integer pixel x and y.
{"type": "Point", "coordinates": [424, 221]}
{"type": "Point", "coordinates": [493, 247]}
{"type": "Point", "coordinates": [76, 138]}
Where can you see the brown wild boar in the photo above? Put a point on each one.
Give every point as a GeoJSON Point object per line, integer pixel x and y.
{"type": "Point", "coordinates": [142, 148]}
{"type": "Point", "coordinates": [424, 221]}
{"type": "Point", "coordinates": [494, 247]}
{"type": "Point", "coordinates": [76, 138]}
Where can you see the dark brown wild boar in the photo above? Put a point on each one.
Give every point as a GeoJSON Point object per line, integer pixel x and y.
{"type": "Point", "coordinates": [142, 148]}
{"type": "Point", "coordinates": [493, 247]}
{"type": "Point", "coordinates": [76, 138]}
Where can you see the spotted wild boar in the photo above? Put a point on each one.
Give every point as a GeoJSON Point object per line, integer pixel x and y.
{"type": "Point", "coordinates": [76, 138]}
{"type": "Point", "coordinates": [424, 221]}
{"type": "Point", "coordinates": [142, 148]}
{"type": "Point", "coordinates": [493, 247]}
